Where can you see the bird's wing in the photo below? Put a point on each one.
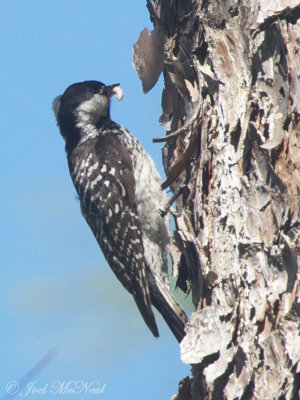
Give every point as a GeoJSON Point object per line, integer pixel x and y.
{"type": "Point", "coordinates": [108, 205]}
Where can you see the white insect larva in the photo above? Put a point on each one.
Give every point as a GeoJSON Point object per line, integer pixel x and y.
{"type": "Point", "coordinates": [118, 92]}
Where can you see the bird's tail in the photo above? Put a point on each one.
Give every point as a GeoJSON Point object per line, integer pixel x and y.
{"type": "Point", "coordinates": [142, 297]}
{"type": "Point", "coordinates": [166, 304]}
{"type": "Point", "coordinates": [147, 314]}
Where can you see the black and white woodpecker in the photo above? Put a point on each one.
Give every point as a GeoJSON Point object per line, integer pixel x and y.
{"type": "Point", "coordinates": [121, 198]}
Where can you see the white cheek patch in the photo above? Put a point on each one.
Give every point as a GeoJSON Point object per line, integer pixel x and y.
{"type": "Point", "coordinates": [96, 105]}
{"type": "Point", "coordinates": [56, 103]}
{"type": "Point", "coordinates": [118, 92]}
{"type": "Point", "coordinates": [90, 111]}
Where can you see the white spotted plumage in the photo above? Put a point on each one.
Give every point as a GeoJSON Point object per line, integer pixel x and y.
{"type": "Point", "coordinates": [121, 198]}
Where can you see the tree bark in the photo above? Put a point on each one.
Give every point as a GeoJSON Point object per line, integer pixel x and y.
{"type": "Point", "coordinates": [231, 108]}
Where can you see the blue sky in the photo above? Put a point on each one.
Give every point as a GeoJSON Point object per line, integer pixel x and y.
{"type": "Point", "coordinates": [56, 289]}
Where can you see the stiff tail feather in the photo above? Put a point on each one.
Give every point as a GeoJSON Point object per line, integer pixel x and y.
{"type": "Point", "coordinates": [142, 298]}
{"type": "Point", "coordinates": [168, 307]}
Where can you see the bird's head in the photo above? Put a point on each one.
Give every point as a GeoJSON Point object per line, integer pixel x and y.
{"type": "Point", "coordinates": [83, 104]}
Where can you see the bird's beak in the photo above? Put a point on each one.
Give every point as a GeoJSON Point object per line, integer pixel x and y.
{"type": "Point", "coordinates": [115, 89]}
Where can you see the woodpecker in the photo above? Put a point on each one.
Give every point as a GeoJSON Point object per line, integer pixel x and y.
{"type": "Point", "coordinates": [120, 194]}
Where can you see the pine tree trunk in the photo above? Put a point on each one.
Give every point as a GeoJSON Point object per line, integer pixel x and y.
{"type": "Point", "coordinates": [231, 106]}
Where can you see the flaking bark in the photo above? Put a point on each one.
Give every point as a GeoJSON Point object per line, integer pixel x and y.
{"type": "Point", "coordinates": [232, 95]}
